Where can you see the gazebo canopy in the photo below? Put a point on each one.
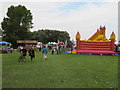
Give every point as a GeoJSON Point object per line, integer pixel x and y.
{"type": "Point", "coordinates": [61, 43]}
{"type": "Point", "coordinates": [4, 42]}
{"type": "Point", "coordinates": [52, 43]}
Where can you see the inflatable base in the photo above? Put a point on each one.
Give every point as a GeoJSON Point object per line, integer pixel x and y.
{"type": "Point", "coordinates": [95, 52]}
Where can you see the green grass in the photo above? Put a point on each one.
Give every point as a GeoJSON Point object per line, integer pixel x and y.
{"type": "Point", "coordinates": [0, 71]}
{"type": "Point", "coordinates": [60, 71]}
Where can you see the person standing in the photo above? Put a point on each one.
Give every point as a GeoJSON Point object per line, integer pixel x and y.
{"type": "Point", "coordinates": [32, 53]}
{"type": "Point", "coordinates": [44, 52]}
{"type": "Point", "coordinates": [57, 49]}
{"type": "Point", "coordinates": [24, 51]}
{"type": "Point", "coordinates": [53, 50]}
{"type": "Point", "coordinates": [40, 47]}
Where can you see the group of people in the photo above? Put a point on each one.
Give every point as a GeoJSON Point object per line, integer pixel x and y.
{"type": "Point", "coordinates": [58, 49]}
{"type": "Point", "coordinates": [31, 51]}
{"type": "Point", "coordinates": [24, 51]}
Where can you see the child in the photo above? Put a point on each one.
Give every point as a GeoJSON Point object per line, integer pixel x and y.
{"type": "Point", "coordinates": [44, 52]}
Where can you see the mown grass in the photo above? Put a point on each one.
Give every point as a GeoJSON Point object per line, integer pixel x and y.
{"type": "Point", "coordinates": [60, 71]}
{"type": "Point", "coordinates": [0, 71]}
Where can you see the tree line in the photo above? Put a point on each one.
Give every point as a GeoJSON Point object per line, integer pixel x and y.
{"type": "Point", "coordinates": [17, 26]}
{"type": "Point", "coordinates": [47, 35]}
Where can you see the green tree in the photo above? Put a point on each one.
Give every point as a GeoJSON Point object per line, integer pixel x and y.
{"type": "Point", "coordinates": [1, 32]}
{"type": "Point", "coordinates": [47, 35]}
{"type": "Point", "coordinates": [17, 24]}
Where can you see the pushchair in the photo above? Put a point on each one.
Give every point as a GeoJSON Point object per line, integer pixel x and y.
{"type": "Point", "coordinates": [21, 58]}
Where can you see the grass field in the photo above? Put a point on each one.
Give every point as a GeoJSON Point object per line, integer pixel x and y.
{"type": "Point", "coordinates": [0, 71]}
{"type": "Point", "coordinates": [60, 71]}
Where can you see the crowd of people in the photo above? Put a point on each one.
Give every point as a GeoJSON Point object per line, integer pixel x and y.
{"type": "Point", "coordinates": [55, 49]}
{"type": "Point", "coordinates": [23, 50]}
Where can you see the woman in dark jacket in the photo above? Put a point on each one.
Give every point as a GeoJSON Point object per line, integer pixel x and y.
{"type": "Point", "coordinates": [32, 53]}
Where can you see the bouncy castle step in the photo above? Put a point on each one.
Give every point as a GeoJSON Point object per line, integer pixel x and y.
{"type": "Point", "coordinates": [95, 52]}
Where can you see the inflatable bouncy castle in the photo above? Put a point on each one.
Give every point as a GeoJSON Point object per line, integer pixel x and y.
{"type": "Point", "coordinates": [96, 44]}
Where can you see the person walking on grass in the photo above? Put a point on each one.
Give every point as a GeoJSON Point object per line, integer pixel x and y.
{"type": "Point", "coordinates": [24, 52]}
{"type": "Point", "coordinates": [32, 53]}
{"type": "Point", "coordinates": [44, 52]}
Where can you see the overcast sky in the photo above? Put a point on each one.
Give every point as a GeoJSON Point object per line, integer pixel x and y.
{"type": "Point", "coordinates": [69, 15]}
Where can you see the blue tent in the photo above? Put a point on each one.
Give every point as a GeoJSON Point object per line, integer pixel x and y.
{"type": "Point", "coordinates": [3, 42]}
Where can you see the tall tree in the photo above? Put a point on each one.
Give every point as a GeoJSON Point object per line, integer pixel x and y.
{"type": "Point", "coordinates": [47, 35]}
{"type": "Point", "coordinates": [17, 24]}
{"type": "Point", "coordinates": [1, 34]}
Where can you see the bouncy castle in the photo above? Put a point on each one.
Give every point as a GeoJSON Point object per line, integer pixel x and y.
{"type": "Point", "coordinates": [96, 44]}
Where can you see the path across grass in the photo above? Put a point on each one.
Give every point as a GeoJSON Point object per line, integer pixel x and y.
{"type": "Point", "coordinates": [60, 71]}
